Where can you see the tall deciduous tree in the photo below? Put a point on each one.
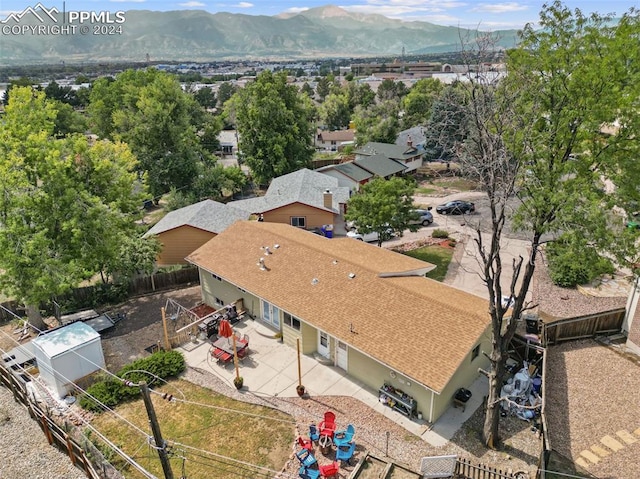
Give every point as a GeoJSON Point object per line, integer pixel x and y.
{"type": "Point", "coordinates": [65, 204]}
{"type": "Point", "coordinates": [418, 102]}
{"type": "Point", "coordinates": [274, 121]}
{"type": "Point", "coordinates": [334, 113]}
{"type": "Point", "coordinates": [379, 122]}
{"type": "Point", "coordinates": [383, 206]}
{"type": "Point", "coordinates": [148, 110]}
{"type": "Point", "coordinates": [537, 145]}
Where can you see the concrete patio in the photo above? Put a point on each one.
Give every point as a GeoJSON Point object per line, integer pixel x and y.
{"type": "Point", "coordinates": [271, 370]}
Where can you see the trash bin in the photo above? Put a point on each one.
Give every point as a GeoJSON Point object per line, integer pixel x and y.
{"type": "Point", "coordinates": [327, 230]}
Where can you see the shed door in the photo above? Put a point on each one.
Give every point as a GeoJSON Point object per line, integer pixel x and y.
{"type": "Point", "coordinates": [341, 355]}
{"type": "Point", "coordinates": [323, 344]}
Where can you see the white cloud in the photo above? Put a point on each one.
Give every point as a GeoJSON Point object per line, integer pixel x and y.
{"type": "Point", "coordinates": [296, 9]}
{"type": "Point", "coordinates": [500, 7]}
{"type": "Point", "coordinates": [192, 4]}
{"type": "Point", "coordinates": [243, 5]}
{"type": "Point", "coordinates": [127, 1]}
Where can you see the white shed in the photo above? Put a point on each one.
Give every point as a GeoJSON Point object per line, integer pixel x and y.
{"type": "Point", "coordinates": [68, 354]}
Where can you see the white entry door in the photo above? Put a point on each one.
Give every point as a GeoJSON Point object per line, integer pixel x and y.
{"type": "Point", "coordinates": [271, 314]}
{"type": "Point", "coordinates": [341, 355]}
{"type": "Point", "coordinates": [323, 344]}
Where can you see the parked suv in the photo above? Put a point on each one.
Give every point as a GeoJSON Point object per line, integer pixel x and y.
{"type": "Point", "coordinates": [422, 217]}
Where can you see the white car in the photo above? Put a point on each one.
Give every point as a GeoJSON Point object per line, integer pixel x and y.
{"type": "Point", "coordinates": [366, 237]}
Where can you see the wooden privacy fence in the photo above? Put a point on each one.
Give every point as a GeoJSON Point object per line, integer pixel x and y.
{"type": "Point", "coordinates": [466, 470]}
{"type": "Point", "coordinates": [586, 326]}
{"type": "Point", "coordinates": [82, 453]}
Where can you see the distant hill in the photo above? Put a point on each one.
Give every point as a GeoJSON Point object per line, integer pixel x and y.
{"type": "Point", "coordinates": [192, 35]}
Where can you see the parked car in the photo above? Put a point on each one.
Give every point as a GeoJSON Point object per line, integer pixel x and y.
{"type": "Point", "coordinates": [456, 207]}
{"type": "Point", "coordinates": [422, 217]}
{"type": "Point", "coordinates": [366, 237]}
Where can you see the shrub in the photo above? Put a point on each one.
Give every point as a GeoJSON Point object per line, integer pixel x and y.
{"type": "Point", "coordinates": [110, 392]}
{"type": "Point", "coordinates": [438, 233]}
{"type": "Point", "coordinates": [572, 264]}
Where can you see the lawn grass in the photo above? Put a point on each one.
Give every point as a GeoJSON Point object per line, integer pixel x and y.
{"type": "Point", "coordinates": [434, 254]}
{"type": "Point", "coordinates": [425, 190]}
{"type": "Point", "coordinates": [255, 440]}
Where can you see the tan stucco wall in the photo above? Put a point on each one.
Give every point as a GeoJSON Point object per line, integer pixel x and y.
{"type": "Point", "coordinates": [466, 374]}
{"type": "Point", "coordinates": [315, 218]}
{"type": "Point", "coordinates": [179, 243]}
{"type": "Point", "coordinates": [227, 292]}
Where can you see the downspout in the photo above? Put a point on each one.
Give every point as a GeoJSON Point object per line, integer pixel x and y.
{"type": "Point", "coordinates": [431, 408]}
{"type": "Point", "coordinates": [626, 326]}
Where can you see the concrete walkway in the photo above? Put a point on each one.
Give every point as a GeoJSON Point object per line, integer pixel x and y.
{"type": "Point", "coordinates": [271, 370]}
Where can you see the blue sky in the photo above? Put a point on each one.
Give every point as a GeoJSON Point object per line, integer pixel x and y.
{"type": "Point", "coordinates": [488, 15]}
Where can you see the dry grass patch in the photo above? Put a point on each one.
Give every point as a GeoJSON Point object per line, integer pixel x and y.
{"type": "Point", "coordinates": [229, 428]}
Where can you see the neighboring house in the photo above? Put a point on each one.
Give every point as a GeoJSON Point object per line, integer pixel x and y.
{"type": "Point", "coordinates": [184, 230]}
{"type": "Point", "coordinates": [305, 198]}
{"type": "Point", "coordinates": [334, 140]}
{"type": "Point", "coordinates": [409, 155]}
{"type": "Point", "coordinates": [228, 143]}
{"type": "Point", "coordinates": [380, 165]}
{"type": "Point", "coordinates": [631, 325]}
{"type": "Point", "coordinates": [348, 174]}
{"type": "Point", "coordinates": [367, 310]}
{"type": "Point", "coordinates": [412, 136]}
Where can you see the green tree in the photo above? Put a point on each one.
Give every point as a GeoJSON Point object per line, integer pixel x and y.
{"type": "Point", "coordinates": [379, 122]}
{"type": "Point", "coordinates": [323, 88]}
{"type": "Point", "coordinates": [274, 122]}
{"type": "Point", "coordinates": [448, 125]}
{"type": "Point", "coordinates": [391, 90]}
{"type": "Point", "coordinates": [225, 91]}
{"type": "Point", "coordinates": [307, 90]}
{"type": "Point", "coordinates": [205, 97]}
{"type": "Point", "coordinates": [334, 112]}
{"type": "Point", "coordinates": [148, 110]}
{"type": "Point", "coordinates": [418, 102]}
{"type": "Point", "coordinates": [68, 120]}
{"type": "Point", "coordinates": [65, 204]}
{"type": "Point", "coordinates": [537, 146]}
{"type": "Point", "coordinates": [383, 206]}
{"type": "Point", "coordinates": [360, 95]}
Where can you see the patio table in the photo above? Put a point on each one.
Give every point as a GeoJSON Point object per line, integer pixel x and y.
{"type": "Point", "coordinates": [226, 344]}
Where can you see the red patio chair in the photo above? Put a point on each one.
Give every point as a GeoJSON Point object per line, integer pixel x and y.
{"type": "Point", "coordinates": [217, 352]}
{"type": "Point", "coordinates": [330, 470]}
{"type": "Point", "coordinates": [305, 443]}
{"type": "Point", "coordinates": [328, 425]}
{"type": "Point", "coordinates": [225, 357]}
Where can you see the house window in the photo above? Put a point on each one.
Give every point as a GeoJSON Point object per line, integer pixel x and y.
{"type": "Point", "coordinates": [219, 302]}
{"type": "Point", "coordinates": [215, 276]}
{"type": "Point", "coordinates": [292, 321]}
{"type": "Point", "coordinates": [475, 352]}
{"type": "Point", "coordinates": [299, 221]}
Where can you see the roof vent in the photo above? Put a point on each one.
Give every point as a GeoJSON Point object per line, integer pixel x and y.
{"type": "Point", "coordinates": [266, 251]}
{"type": "Point", "coordinates": [315, 281]}
{"type": "Point", "coordinates": [352, 275]}
{"type": "Point", "coordinates": [276, 246]}
{"type": "Point", "coordinates": [335, 261]}
{"type": "Point", "coordinates": [261, 264]}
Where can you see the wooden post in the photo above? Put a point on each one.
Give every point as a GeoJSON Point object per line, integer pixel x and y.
{"type": "Point", "coordinates": [45, 426]}
{"type": "Point", "coordinates": [235, 357]}
{"type": "Point", "coordinates": [70, 450]}
{"type": "Point", "coordinates": [299, 366]}
{"type": "Point", "coordinates": [167, 344]}
{"type": "Point", "coordinates": [155, 428]}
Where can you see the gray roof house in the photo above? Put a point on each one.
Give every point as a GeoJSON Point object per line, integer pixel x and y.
{"type": "Point", "coordinates": [186, 229]}
{"type": "Point", "coordinates": [380, 165]}
{"type": "Point", "coordinates": [304, 198]}
{"type": "Point", "coordinates": [409, 155]}
{"type": "Point", "coordinates": [348, 174]}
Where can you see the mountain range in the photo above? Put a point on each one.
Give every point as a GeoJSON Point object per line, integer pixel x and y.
{"type": "Point", "coordinates": [193, 35]}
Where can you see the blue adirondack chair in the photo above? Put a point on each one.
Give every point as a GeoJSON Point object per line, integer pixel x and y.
{"type": "Point", "coordinates": [306, 458]}
{"type": "Point", "coordinates": [344, 437]}
{"type": "Point", "coordinates": [307, 473]}
{"type": "Point", "coordinates": [345, 452]}
{"type": "Point", "coordinates": [314, 435]}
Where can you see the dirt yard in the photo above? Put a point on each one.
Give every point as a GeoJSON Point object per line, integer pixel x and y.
{"type": "Point", "coordinates": [143, 326]}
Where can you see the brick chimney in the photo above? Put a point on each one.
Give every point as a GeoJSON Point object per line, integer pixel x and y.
{"type": "Point", "coordinates": [328, 199]}
{"type": "Point", "coordinates": [409, 141]}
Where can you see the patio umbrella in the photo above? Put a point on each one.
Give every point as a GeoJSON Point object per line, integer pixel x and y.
{"type": "Point", "coordinates": [225, 329]}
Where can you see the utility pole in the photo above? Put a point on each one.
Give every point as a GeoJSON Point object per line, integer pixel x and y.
{"type": "Point", "coordinates": [155, 428]}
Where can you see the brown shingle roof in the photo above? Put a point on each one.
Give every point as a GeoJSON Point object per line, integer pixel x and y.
{"type": "Point", "coordinates": [415, 325]}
